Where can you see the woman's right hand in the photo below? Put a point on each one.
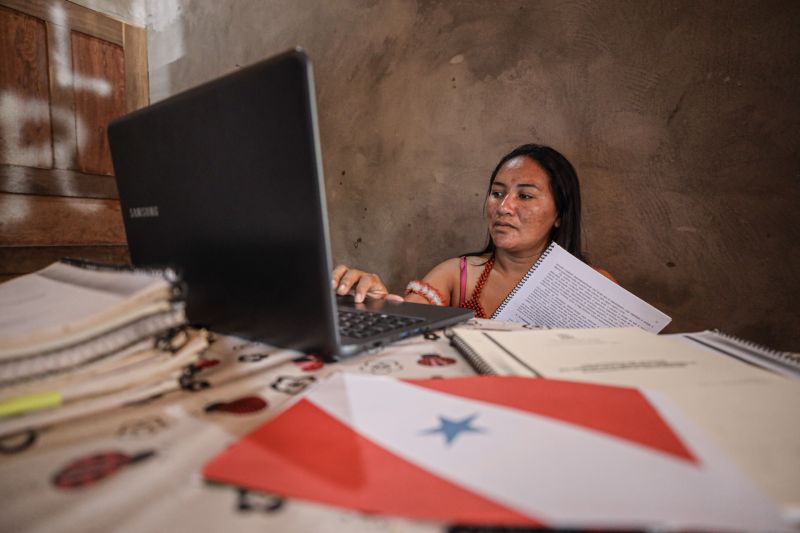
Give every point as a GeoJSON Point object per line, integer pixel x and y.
{"type": "Point", "coordinates": [364, 284]}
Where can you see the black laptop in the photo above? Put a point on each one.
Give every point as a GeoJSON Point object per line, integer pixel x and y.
{"type": "Point", "coordinates": [224, 183]}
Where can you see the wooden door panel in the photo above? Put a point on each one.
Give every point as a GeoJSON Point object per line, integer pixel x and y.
{"type": "Point", "coordinates": [30, 220]}
{"type": "Point", "coordinates": [101, 68]}
{"type": "Point", "coordinates": [137, 80]}
{"type": "Point", "coordinates": [23, 259]}
{"type": "Point", "coordinates": [78, 17]}
{"type": "Point", "coordinates": [65, 73]}
{"type": "Point", "coordinates": [49, 182]}
{"type": "Point", "coordinates": [25, 137]}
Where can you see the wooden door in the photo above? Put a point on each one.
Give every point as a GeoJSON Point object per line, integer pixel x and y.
{"type": "Point", "coordinates": [65, 72]}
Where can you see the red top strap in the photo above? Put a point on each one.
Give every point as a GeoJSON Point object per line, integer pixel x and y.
{"type": "Point", "coordinates": [474, 301]}
{"type": "Point", "coordinates": [462, 265]}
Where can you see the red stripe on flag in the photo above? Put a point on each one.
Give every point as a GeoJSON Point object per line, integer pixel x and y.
{"type": "Point", "coordinates": [306, 453]}
{"type": "Point", "coordinates": [619, 411]}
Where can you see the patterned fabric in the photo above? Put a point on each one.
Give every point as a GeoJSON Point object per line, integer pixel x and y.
{"type": "Point", "coordinates": [148, 456]}
{"type": "Point", "coordinates": [89, 470]}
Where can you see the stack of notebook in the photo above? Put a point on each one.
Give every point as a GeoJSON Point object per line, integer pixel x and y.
{"type": "Point", "coordinates": [77, 338]}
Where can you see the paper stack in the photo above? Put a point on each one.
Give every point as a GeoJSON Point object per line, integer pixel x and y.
{"type": "Point", "coordinates": [77, 338]}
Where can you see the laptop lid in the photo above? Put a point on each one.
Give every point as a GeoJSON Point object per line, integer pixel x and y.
{"type": "Point", "coordinates": [224, 183]}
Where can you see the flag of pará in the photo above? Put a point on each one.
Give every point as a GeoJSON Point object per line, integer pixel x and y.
{"type": "Point", "coordinates": [498, 450]}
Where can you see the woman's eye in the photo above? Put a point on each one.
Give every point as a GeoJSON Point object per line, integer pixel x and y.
{"type": "Point", "coordinates": [523, 196]}
{"type": "Point", "coordinates": [496, 194]}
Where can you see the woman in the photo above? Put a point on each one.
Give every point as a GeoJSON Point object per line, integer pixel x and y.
{"type": "Point", "coordinates": [533, 199]}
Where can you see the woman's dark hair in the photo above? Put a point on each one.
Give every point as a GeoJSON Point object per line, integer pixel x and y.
{"type": "Point", "coordinates": [566, 193]}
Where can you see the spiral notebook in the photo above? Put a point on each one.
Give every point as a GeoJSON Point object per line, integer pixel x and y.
{"type": "Point", "coordinates": [786, 363]}
{"type": "Point", "coordinates": [561, 291]}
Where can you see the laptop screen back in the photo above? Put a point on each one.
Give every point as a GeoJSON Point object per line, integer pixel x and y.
{"type": "Point", "coordinates": [224, 183]}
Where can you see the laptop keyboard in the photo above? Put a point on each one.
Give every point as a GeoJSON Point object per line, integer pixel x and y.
{"type": "Point", "coordinates": [363, 324]}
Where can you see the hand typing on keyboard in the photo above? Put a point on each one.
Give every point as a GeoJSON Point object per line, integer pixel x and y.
{"type": "Point", "coordinates": [362, 284]}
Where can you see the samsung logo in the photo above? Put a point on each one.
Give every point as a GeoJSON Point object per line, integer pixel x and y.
{"type": "Point", "coordinates": [143, 212]}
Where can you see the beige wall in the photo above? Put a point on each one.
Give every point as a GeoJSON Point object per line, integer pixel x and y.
{"type": "Point", "coordinates": [681, 118]}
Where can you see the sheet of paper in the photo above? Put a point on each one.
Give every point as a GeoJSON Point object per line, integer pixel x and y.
{"type": "Point", "coordinates": [493, 450]}
{"type": "Point", "coordinates": [564, 292]}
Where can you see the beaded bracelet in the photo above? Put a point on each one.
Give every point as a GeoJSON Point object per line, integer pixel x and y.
{"type": "Point", "coordinates": [426, 290]}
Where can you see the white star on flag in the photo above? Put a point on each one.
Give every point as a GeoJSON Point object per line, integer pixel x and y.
{"type": "Point", "coordinates": [557, 453]}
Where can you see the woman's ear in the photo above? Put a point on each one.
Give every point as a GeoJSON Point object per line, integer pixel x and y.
{"type": "Point", "coordinates": [557, 223]}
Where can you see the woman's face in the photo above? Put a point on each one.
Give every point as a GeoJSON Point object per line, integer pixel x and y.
{"type": "Point", "coordinates": [520, 209]}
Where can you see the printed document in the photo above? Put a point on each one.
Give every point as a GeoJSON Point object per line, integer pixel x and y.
{"type": "Point", "coordinates": [561, 291]}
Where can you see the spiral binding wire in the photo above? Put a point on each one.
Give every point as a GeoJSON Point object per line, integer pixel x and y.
{"type": "Point", "coordinates": [786, 358]}
{"type": "Point", "coordinates": [472, 356]}
{"type": "Point", "coordinates": [104, 345]}
{"type": "Point", "coordinates": [525, 278]}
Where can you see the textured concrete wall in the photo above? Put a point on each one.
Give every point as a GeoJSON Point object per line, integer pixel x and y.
{"type": "Point", "coordinates": [681, 118]}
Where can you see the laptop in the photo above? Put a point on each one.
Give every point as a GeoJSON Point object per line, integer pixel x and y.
{"type": "Point", "coordinates": [224, 183]}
